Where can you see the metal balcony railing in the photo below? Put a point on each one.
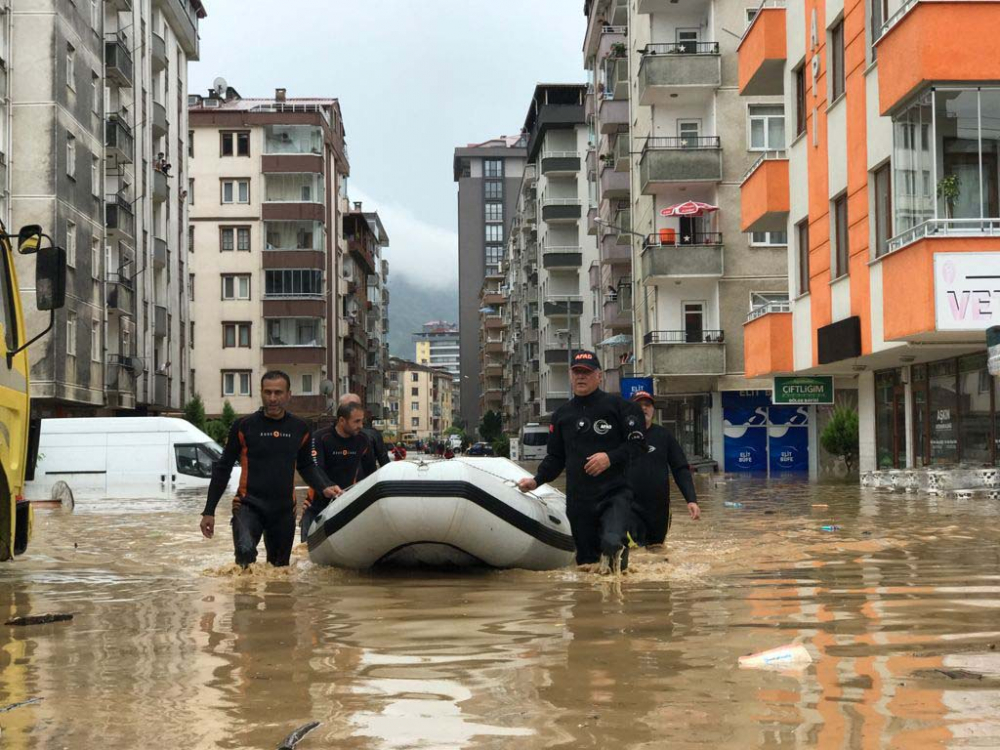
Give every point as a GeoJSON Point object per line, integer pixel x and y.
{"type": "Point", "coordinates": [692, 336]}
{"type": "Point", "coordinates": [771, 307]}
{"type": "Point", "coordinates": [679, 143]}
{"type": "Point", "coordinates": [765, 156]}
{"type": "Point", "coordinates": [674, 239]}
{"type": "Point", "coordinates": [682, 48]}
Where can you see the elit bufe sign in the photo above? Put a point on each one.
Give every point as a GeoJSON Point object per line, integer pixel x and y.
{"type": "Point", "coordinates": [803, 390]}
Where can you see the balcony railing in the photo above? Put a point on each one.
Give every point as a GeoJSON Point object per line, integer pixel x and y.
{"type": "Point", "coordinates": [682, 48]}
{"type": "Point", "coordinates": [694, 336]}
{"type": "Point", "coordinates": [946, 228]}
{"type": "Point", "coordinates": [763, 4]}
{"type": "Point", "coordinates": [679, 143]}
{"type": "Point", "coordinates": [771, 307]}
{"type": "Point", "coordinates": [896, 17]}
{"type": "Point", "coordinates": [765, 156]}
{"type": "Point", "coordinates": [118, 59]}
{"type": "Point", "coordinates": [672, 239]}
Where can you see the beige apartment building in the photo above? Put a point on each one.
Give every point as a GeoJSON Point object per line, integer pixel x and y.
{"type": "Point", "coordinates": [267, 250]}
{"type": "Point", "coordinates": [419, 401]}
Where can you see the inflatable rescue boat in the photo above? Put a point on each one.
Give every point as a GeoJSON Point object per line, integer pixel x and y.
{"type": "Point", "coordinates": [460, 512]}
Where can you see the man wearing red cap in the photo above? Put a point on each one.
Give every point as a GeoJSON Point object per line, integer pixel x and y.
{"type": "Point", "coordinates": [594, 436]}
{"type": "Point", "coordinates": [649, 477]}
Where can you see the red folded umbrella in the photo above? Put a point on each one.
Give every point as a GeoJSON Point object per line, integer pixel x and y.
{"type": "Point", "coordinates": [689, 208]}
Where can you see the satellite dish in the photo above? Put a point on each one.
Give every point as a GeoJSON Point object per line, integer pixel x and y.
{"type": "Point", "coordinates": [220, 86]}
{"type": "Point", "coordinates": [326, 387]}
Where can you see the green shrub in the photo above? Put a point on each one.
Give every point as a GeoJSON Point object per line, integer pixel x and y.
{"type": "Point", "coordinates": [840, 436]}
{"type": "Point", "coordinates": [194, 412]}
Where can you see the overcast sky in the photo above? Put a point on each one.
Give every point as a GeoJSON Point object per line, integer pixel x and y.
{"type": "Point", "coordinates": [414, 80]}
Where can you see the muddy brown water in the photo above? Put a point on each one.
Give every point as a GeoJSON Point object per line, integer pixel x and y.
{"type": "Point", "coordinates": [170, 647]}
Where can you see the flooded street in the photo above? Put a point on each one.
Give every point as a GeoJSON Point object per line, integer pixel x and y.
{"type": "Point", "coordinates": [899, 609]}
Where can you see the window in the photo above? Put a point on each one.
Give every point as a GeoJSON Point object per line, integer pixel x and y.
{"type": "Point", "coordinates": [414, 377]}
{"type": "Point", "coordinates": [878, 13]}
{"type": "Point", "coordinates": [190, 191]}
{"type": "Point", "coordinates": [237, 238]}
{"type": "Point", "coordinates": [494, 254]}
{"type": "Point", "coordinates": [494, 190]}
{"type": "Point", "coordinates": [235, 383]}
{"type": "Point", "coordinates": [294, 331]}
{"type": "Point", "coordinates": [883, 209]}
{"type": "Point", "coordinates": [71, 66]}
{"type": "Point", "coordinates": [759, 300]}
{"type": "Point", "coordinates": [687, 41]}
{"type": "Point", "coordinates": [190, 238]}
{"type": "Point", "coordinates": [465, 167]}
{"type": "Point", "coordinates": [287, 282]}
{"type": "Point", "coordinates": [307, 383]}
{"type": "Point", "coordinates": [95, 175]}
{"type": "Point", "coordinates": [235, 335]}
{"type": "Point", "coordinates": [767, 127]}
{"type": "Point", "coordinates": [493, 167]}
{"type": "Point", "coordinates": [842, 256]}
{"type": "Point", "coordinates": [95, 15]}
{"type": "Point", "coordinates": [800, 100]}
{"type": "Point", "coordinates": [71, 244]}
{"type": "Point", "coordinates": [415, 422]}
{"type": "Point", "coordinates": [190, 144]}
{"type": "Point", "coordinates": [494, 232]}
{"type": "Point", "coordinates": [236, 191]}
{"type": "Point", "coordinates": [95, 341]}
{"type": "Point", "coordinates": [95, 257]}
{"type": "Point", "coordinates": [802, 251]}
{"type": "Point", "coordinates": [694, 322]}
{"type": "Point", "coordinates": [196, 460]}
{"type": "Point", "coordinates": [71, 334]}
{"type": "Point", "coordinates": [414, 391]}
{"type": "Point", "coordinates": [191, 343]}
{"type": "Point", "coordinates": [236, 286]}
{"type": "Point", "coordinates": [494, 211]}
{"type": "Point", "coordinates": [836, 63]}
{"type": "Point", "coordinates": [71, 155]}
{"type": "Point", "coordinates": [768, 238]}
{"type": "Point", "coordinates": [95, 93]}
{"type": "Point", "coordinates": [190, 288]}
{"type": "Point", "coordinates": [235, 143]}
{"type": "Point", "coordinates": [414, 406]}
{"type": "Point", "coordinates": [689, 131]}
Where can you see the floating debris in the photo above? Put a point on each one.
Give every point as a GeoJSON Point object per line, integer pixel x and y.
{"type": "Point", "coordinates": [38, 619]}
{"type": "Point", "coordinates": [295, 737]}
{"type": "Point", "coordinates": [792, 655]}
{"type": "Point", "coordinates": [12, 706]}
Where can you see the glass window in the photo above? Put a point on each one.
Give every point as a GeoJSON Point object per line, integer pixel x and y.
{"type": "Point", "coordinates": [493, 167]}
{"type": "Point", "coordinates": [802, 250]}
{"type": "Point", "coordinates": [837, 60]}
{"type": "Point", "coordinates": [294, 332]}
{"type": "Point", "coordinates": [243, 238]}
{"type": "Point", "coordinates": [294, 188]}
{"type": "Point", "coordinates": [878, 12]}
{"type": "Point", "coordinates": [956, 121]}
{"type": "Point", "coordinates": [769, 238]}
{"type": "Point", "coordinates": [975, 385]}
{"type": "Point", "coordinates": [244, 383]}
{"type": "Point", "coordinates": [912, 164]}
{"type": "Point", "coordinates": [226, 239]}
{"type": "Point", "coordinates": [236, 286]}
{"type": "Point", "coordinates": [293, 139]}
{"type": "Point", "coordinates": [942, 388]}
{"type": "Point", "coordinates": [883, 210]}
{"type": "Point", "coordinates": [294, 235]}
{"type": "Point", "coordinates": [494, 190]}
{"type": "Point", "coordinates": [842, 255]}
{"type": "Point", "coordinates": [494, 232]}
{"type": "Point", "coordinates": [194, 460]}
{"type": "Point", "coordinates": [70, 155]}
{"type": "Point", "coordinates": [415, 422]}
{"type": "Point", "coordinates": [307, 383]}
{"type": "Point", "coordinates": [494, 211]}
{"type": "Point", "coordinates": [71, 333]}
{"type": "Point", "coordinates": [767, 127]}
{"type": "Point", "coordinates": [414, 406]}
{"type": "Point", "coordinates": [800, 100]}
{"type": "Point", "coordinates": [494, 254]}
{"type": "Point", "coordinates": [885, 388]}
{"type": "Point", "coordinates": [293, 282]}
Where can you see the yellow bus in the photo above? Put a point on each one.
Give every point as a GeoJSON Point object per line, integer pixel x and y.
{"type": "Point", "coordinates": [18, 438]}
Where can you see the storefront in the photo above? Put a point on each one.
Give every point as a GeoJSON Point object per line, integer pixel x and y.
{"type": "Point", "coordinates": [689, 419]}
{"type": "Point", "coordinates": [952, 416]}
{"type": "Point", "coordinates": [763, 438]}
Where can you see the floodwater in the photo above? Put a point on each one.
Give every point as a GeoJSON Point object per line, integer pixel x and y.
{"type": "Point", "coordinates": [899, 610]}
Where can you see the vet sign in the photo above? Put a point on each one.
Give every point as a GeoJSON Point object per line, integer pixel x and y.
{"type": "Point", "coordinates": [966, 291]}
{"type": "Point", "coordinates": [803, 390]}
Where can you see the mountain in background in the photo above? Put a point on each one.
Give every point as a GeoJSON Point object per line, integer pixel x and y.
{"type": "Point", "coordinates": [413, 304]}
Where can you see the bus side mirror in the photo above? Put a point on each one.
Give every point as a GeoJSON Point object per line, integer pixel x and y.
{"type": "Point", "coordinates": [29, 238]}
{"type": "Point", "coordinates": [50, 278]}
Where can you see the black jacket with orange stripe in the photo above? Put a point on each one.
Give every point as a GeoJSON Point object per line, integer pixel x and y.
{"type": "Point", "coordinates": [269, 452]}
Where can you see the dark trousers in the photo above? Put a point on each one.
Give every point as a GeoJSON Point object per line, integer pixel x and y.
{"type": "Point", "coordinates": [650, 520]}
{"type": "Point", "coordinates": [251, 522]}
{"type": "Point", "coordinates": [601, 525]}
{"type": "Point", "coordinates": [309, 515]}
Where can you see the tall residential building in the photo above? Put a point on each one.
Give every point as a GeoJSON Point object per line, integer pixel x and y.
{"type": "Point", "coordinates": [893, 153]}
{"type": "Point", "coordinates": [366, 307]}
{"type": "Point", "coordinates": [697, 272]}
{"type": "Point", "coordinates": [488, 175]}
{"type": "Point", "coordinates": [495, 341]}
{"type": "Point", "coordinates": [97, 108]}
{"type": "Point", "coordinates": [437, 345]}
{"type": "Point", "coordinates": [550, 251]}
{"type": "Point", "coordinates": [267, 248]}
{"type": "Point", "coordinates": [420, 402]}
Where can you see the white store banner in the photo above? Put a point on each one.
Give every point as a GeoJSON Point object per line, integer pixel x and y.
{"type": "Point", "coordinates": [966, 291]}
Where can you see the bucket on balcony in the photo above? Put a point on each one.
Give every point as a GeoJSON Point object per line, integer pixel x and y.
{"type": "Point", "coordinates": [668, 236]}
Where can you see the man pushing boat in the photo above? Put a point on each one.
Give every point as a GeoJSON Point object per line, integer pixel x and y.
{"type": "Point", "coordinates": [594, 437]}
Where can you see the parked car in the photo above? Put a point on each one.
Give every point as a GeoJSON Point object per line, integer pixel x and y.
{"type": "Point", "coordinates": [480, 449]}
{"type": "Point", "coordinates": [534, 441]}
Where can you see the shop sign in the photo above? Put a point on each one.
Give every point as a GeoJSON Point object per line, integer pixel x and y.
{"type": "Point", "coordinates": [803, 390]}
{"type": "Point", "coordinates": [632, 386]}
{"type": "Point", "coordinates": [966, 291]}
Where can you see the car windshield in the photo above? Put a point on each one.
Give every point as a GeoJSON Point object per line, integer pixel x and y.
{"type": "Point", "coordinates": [535, 438]}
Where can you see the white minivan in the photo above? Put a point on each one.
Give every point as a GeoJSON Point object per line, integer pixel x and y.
{"type": "Point", "coordinates": [124, 457]}
{"type": "Point", "coordinates": [534, 438]}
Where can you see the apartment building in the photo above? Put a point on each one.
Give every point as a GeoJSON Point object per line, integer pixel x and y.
{"type": "Point", "coordinates": [488, 175]}
{"type": "Point", "coordinates": [495, 341]}
{"type": "Point", "coordinates": [421, 406]}
{"type": "Point", "coordinates": [95, 110]}
{"type": "Point", "coordinates": [893, 222]}
{"type": "Point", "coordinates": [366, 308]}
{"type": "Point", "coordinates": [697, 273]}
{"type": "Point", "coordinates": [267, 247]}
{"type": "Point", "coordinates": [437, 345]}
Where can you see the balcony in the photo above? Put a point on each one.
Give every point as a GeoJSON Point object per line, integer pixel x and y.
{"type": "Point", "coordinates": [614, 184]}
{"type": "Point", "coordinates": [159, 53]}
{"type": "Point", "coordinates": [555, 353]}
{"type": "Point", "coordinates": [119, 220]}
{"type": "Point", "coordinates": [307, 405]}
{"type": "Point", "coordinates": [493, 297]}
{"type": "Point", "coordinates": [563, 305]}
{"type": "Point", "coordinates": [592, 220]}
{"type": "Point", "coordinates": [699, 255]}
{"type": "Point", "coordinates": [293, 355]}
{"type": "Point", "coordinates": [921, 44]}
{"type": "Point", "coordinates": [119, 6]}
{"type": "Point", "coordinates": [767, 341]}
{"type": "Point", "coordinates": [159, 321]}
{"type": "Point", "coordinates": [118, 59]}
{"type": "Point", "coordinates": [183, 19]}
{"type": "Point", "coordinates": [121, 297]}
{"type": "Point", "coordinates": [612, 114]}
{"type": "Point", "coordinates": [675, 68]}
{"type": "Point", "coordinates": [561, 210]}
{"type": "Point", "coordinates": [560, 162]}
{"type": "Point", "coordinates": [622, 152]}
{"type": "Point", "coordinates": [764, 200]}
{"type": "Point", "coordinates": [159, 120]}
{"type": "Point", "coordinates": [614, 317]}
{"type": "Point", "coordinates": [159, 253]}
{"type": "Point", "coordinates": [562, 257]}
{"type": "Point", "coordinates": [613, 40]}
{"type": "Point", "coordinates": [616, 248]}
{"type": "Point", "coordinates": [762, 53]}
{"type": "Point", "coordinates": [161, 391]}
{"type": "Point", "coordinates": [493, 322]}
{"type": "Point", "coordinates": [666, 162]}
{"type": "Point", "coordinates": [118, 139]}
{"type": "Point", "coordinates": [694, 352]}
{"type": "Point", "coordinates": [159, 186]}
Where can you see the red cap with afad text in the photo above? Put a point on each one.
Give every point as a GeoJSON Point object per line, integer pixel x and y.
{"type": "Point", "coordinates": [642, 396]}
{"type": "Point", "coordinates": [584, 360]}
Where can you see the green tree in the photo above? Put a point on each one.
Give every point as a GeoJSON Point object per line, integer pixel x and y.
{"type": "Point", "coordinates": [194, 412]}
{"type": "Point", "coordinates": [491, 427]}
{"type": "Point", "coordinates": [217, 431]}
{"type": "Point", "coordinates": [840, 436]}
{"type": "Point", "coordinates": [501, 446]}
{"type": "Point", "coordinates": [228, 415]}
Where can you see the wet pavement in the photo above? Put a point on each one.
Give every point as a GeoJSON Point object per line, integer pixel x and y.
{"type": "Point", "coordinates": [899, 609]}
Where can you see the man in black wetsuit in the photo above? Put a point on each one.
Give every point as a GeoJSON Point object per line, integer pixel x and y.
{"type": "Point", "coordinates": [649, 477]}
{"type": "Point", "coordinates": [594, 437]}
{"type": "Point", "coordinates": [374, 436]}
{"type": "Point", "coordinates": [343, 454]}
{"type": "Point", "coordinates": [269, 444]}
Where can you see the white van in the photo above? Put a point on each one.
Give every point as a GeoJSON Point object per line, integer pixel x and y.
{"type": "Point", "coordinates": [534, 438]}
{"type": "Point", "coordinates": [124, 457]}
